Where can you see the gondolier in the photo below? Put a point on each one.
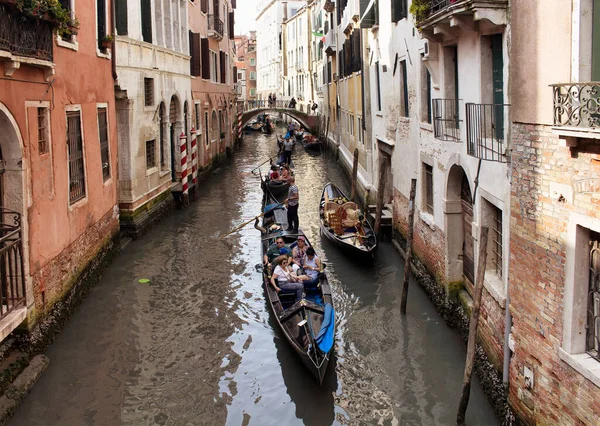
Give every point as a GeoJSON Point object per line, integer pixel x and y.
{"type": "Point", "coordinates": [288, 146]}
{"type": "Point", "coordinates": [292, 213]}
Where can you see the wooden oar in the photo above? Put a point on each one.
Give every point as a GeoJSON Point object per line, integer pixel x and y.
{"type": "Point", "coordinates": [247, 222]}
{"type": "Point", "coordinates": [258, 167]}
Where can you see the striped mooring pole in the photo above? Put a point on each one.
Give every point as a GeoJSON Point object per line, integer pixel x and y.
{"type": "Point", "coordinates": [239, 126]}
{"type": "Point", "coordinates": [184, 170]}
{"type": "Point", "coordinates": [194, 161]}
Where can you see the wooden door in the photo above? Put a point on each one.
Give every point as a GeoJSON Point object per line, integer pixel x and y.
{"type": "Point", "coordinates": [468, 243]}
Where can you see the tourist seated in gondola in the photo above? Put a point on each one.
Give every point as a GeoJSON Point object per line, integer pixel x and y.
{"type": "Point", "coordinates": [286, 280]}
{"type": "Point", "coordinates": [285, 174]}
{"type": "Point", "coordinates": [312, 267]}
{"type": "Point", "coordinates": [299, 252]}
{"type": "Point", "coordinates": [275, 250]}
{"type": "Point", "coordinates": [274, 175]}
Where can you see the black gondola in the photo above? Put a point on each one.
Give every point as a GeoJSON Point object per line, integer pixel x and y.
{"type": "Point", "coordinates": [255, 126]}
{"type": "Point", "coordinates": [277, 188]}
{"type": "Point", "coordinates": [343, 223]}
{"type": "Point", "coordinates": [308, 324]}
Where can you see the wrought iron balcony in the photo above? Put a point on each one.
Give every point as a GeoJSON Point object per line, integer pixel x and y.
{"type": "Point", "coordinates": [24, 36]}
{"type": "Point", "coordinates": [12, 273]}
{"type": "Point", "coordinates": [215, 27]}
{"type": "Point", "coordinates": [487, 131]}
{"type": "Point", "coordinates": [446, 124]}
{"type": "Point", "coordinates": [577, 105]}
{"type": "Point", "coordinates": [464, 12]}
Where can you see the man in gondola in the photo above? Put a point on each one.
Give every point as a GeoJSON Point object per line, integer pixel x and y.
{"type": "Point", "coordinates": [292, 210]}
{"type": "Point", "coordinates": [275, 250]}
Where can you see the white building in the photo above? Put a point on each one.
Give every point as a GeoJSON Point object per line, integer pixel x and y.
{"type": "Point", "coordinates": [269, 44]}
{"type": "Point", "coordinates": [153, 95]}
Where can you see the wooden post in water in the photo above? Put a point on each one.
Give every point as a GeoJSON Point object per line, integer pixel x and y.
{"type": "Point", "coordinates": [409, 244]}
{"type": "Point", "coordinates": [380, 189]}
{"type": "Point", "coordinates": [472, 342]}
{"type": "Point", "coordinates": [354, 174]}
{"type": "Point", "coordinates": [326, 146]}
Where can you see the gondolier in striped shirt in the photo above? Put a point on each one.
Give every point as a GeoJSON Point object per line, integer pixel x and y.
{"type": "Point", "coordinates": [292, 212]}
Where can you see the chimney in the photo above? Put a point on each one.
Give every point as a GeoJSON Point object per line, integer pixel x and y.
{"type": "Point", "coordinates": [284, 3]}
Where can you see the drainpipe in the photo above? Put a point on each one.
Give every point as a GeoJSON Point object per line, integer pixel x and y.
{"type": "Point", "coordinates": [113, 55]}
{"type": "Point", "coordinates": [507, 315]}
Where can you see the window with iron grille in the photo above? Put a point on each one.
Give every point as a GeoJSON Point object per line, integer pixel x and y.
{"type": "Point", "coordinates": [428, 187]}
{"type": "Point", "coordinates": [151, 154]}
{"type": "Point", "coordinates": [76, 160]}
{"type": "Point", "coordinates": [592, 345]}
{"type": "Point", "coordinates": [103, 134]}
{"type": "Point", "coordinates": [42, 115]}
{"type": "Point", "coordinates": [496, 231]}
{"type": "Point", "coordinates": [360, 130]}
{"type": "Point", "coordinates": [148, 91]}
{"type": "Point", "coordinates": [197, 111]}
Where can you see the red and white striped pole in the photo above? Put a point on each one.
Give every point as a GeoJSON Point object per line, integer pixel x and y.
{"type": "Point", "coordinates": [239, 126]}
{"type": "Point", "coordinates": [184, 170]}
{"type": "Point", "coordinates": [194, 161]}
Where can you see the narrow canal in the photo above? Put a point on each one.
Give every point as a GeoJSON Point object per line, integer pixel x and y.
{"type": "Point", "coordinates": [197, 346]}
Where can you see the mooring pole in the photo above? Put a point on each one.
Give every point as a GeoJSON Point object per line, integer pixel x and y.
{"type": "Point", "coordinates": [472, 342]}
{"type": "Point", "coordinates": [409, 244]}
{"type": "Point", "coordinates": [380, 189]}
{"type": "Point", "coordinates": [327, 135]}
{"type": "Point", "coordinates": [354, 174]}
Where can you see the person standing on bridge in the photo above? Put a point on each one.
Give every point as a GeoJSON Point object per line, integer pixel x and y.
{"type": "Point", "coordinates": [292, 200]}
{"type": "Point", "coordinates": [275, 100]}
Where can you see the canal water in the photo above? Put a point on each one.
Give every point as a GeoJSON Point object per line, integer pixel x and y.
{"type": "Point", "coordinates": [197, 345]}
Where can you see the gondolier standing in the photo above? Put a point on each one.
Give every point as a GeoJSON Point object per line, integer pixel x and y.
{"type": "Point", "coordinates": [292, 212]}
{"type": "Point", "coordinates": [288, 146]}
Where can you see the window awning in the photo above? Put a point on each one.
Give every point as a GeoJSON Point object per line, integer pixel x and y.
{"type": "Point", "coordinates": [368, 13]}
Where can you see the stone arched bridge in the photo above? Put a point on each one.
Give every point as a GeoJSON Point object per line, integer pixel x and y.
{"type": "Point", "coordinates": [249, 109]}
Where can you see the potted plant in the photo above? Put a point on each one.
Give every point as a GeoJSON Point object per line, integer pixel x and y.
{"type": "Point", "coordinates": [107, 41]}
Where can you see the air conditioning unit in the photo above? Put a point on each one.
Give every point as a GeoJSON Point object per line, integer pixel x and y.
{"type": "Point", "coordinates": [426, 49]}
{"type": "Point", "coordinates": [430, 50]}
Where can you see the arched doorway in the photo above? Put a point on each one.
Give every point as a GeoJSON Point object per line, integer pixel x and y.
{"type": "Point", "coordinates": [13, 234]}
{"type": "Point", "coordinates": [459, 224]}
{"type": "Point", "coordinates": [174, 114]}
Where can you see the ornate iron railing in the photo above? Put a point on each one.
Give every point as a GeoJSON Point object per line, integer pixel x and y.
{"type": "Point", "coordinates": [12, 273]}
{"type": "Point", "coordinates": [487, 128]}
{"type": "Point", "coordinates": [25, 36]}
{"type": "Point", "coordinates": [440, 5]}
{"type": "Point", "coordinates": [215, 24]}
{"type": "Point", "coordinates": [592, 346]}
{"type": "Point", "coordinates": [577, 104]}
{"type": "Point", "coordinates": [446, 124]}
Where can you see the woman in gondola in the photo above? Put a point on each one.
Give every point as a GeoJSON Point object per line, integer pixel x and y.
{"type": "Point", "coordinates": [286, 280]}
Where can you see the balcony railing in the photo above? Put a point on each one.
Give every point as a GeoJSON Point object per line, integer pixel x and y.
{"type": "Point", "coordinates": [441, 9]}
{"type": "Point", "coordinates": [577, 104]}
{"type": "Point", "coordinates": [215, 25]}
{"type": "Point", "coordinates": [12, 273]}
{"type": "Point", "coordinates": [446, 125]}
{"type": "Point", "coordinates": [25, 36]}
{"type": "Point", "coordinates": [487, 126]}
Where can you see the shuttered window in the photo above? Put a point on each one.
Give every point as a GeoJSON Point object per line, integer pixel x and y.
{"type": "Point", "coordinates": [75, 153]}
{"type": "Point", "coordinates": [235, 76]}
{"type": "Point", "coordinates": [231, 25]}
{"type": "Point", "coordinates": [399, 10]}
{"type": "Point", "coordinates": [146, 21]}
{"type": "Point", "coordinates": [121, 11]}
{"type": "Point", "coordinates": [195, 64]}
{"type": "Point", "coordinates": [103, 135]}
{"type": "Point", "coordinates": [222, 66]}
{"type": "Point", "coordinates": [205, 54]}
{"type": "Point", "coordinates": [101, 22]}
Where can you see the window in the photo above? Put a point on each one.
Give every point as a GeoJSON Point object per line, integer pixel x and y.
{"type": "Point", "coordinates": [66, 4]}
{"type": "Point", "coordinates": [496, 230]}
{"type": "Point", "coordinates": [197, 115]}
{"type": "Point", "coordinates": [252, 62]}
{"type": "Point", "coordinates": [75, 154]}
{"type": "Point", "coordinates": [403, 90]}
{"type": "Point", "coordinates": [399, 10]}
{"type": "Point", "coordinates": [592, 345]}
{"type": "Point", "coordinates": [150, 154]}
{"type": "Point", "coordinates": [205, 56]}
{"type": "Point", "coordinates": [195, 60]}
{"type": "Point", "coordinates": [360, 130]}
{"type": "Point", "coordinates": [121, 16]}
{"type": "Point", "coordinates": [352, 124]}
{"type": "Point", "coordinates": [43, 143]}
{"type": "Point", "coordinates": [146, 11]}
{"type": "Point", "coordinates": [214, 67]}
{"type": "Point", "coordinates": [206, 128]}
{"type": "Point", "coordinates": [148, 91]}
{"type": "Point", "coordinates": [252, 75]}
{"type": "Point", "coordinates": [428, 188]}
{"type": "Point", "coordinates": [378, 86]}
{"type": "Point", "coordinates": [103, 136]}
{"type": "Point", "coordinates": [101, 22]}
{"type": "Point", "coordinates": [253, 92]}
{"type": "Point", "coordinates": [239, 76]}
{"type": "Point", "coordinates": [425, 95]}
{"type": "Point", "coordinates": [204, 6]}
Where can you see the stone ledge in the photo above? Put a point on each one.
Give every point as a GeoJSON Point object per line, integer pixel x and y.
{"type": "Point", "coordinates": [584, 364]}
{"type": "Point", "coordinates": [21, 386]}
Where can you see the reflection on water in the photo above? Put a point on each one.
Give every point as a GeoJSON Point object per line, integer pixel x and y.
{"type": "Point", "coordinates": [198, 345]}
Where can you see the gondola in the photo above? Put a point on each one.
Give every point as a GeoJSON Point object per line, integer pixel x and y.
{"type": "Point", "coordinates": [311, 143]}
{"type": "Point", "coordinates": [308, 324]}
{"type": "Point", "coordinates": [344, 225]}
{"type": "Point", "coordinates": [267, 128]}
{"type": "Point", "coordinates": [277, 188]}
{"type": "Point", "coordinates": [255, 126]}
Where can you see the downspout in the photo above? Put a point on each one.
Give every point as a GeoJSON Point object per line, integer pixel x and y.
{"type": "Point", "coordinates": [113, 55]}
{"type": "Point", "coordinates": [507, 315]}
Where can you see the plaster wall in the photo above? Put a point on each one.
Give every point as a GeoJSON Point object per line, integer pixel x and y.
{"type": "Point", "coordinates": [543, 53]}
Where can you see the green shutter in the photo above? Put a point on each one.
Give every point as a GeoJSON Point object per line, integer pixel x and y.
{"type": "Point", "coordinates": [368, 18]}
